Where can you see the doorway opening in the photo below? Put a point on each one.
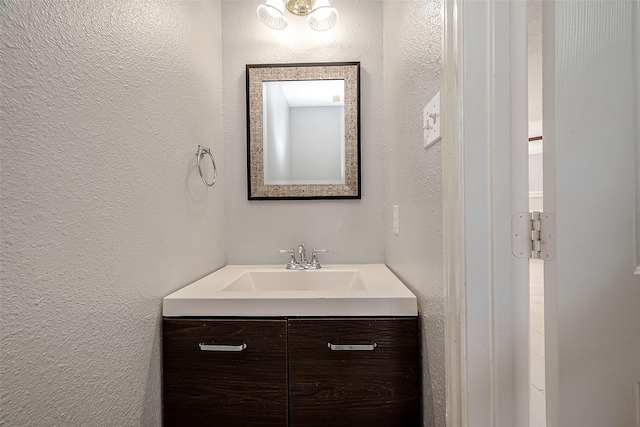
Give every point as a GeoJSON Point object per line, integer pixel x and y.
{"type": "Point", "coordinates": [537, 394]}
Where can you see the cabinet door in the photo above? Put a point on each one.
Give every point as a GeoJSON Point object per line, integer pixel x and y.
{"type": "Point", "coordinates": [350, 384]}
{"type": "Point", "coordinates": [224, 373]}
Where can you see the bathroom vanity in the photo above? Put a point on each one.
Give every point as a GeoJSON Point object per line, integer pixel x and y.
{"type": "Point", "coordinates": [295, 361]}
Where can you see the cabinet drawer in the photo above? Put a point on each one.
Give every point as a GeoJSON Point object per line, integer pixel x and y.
{"type": "Point", "coordinates": [224, 372]}
{"type": "Point", "coordinates": [368, 377]}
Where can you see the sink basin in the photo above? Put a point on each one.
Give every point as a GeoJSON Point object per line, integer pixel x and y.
{"type": "Point", "coordinates": [267, 290]}
{"type": "Point", "coordinates": [288, 280]}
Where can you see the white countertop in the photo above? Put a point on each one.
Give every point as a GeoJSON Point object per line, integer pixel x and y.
{"type": "Point", "coordinates": [380, 293]}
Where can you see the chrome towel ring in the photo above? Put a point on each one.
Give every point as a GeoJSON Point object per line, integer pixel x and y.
{"type": "Point", "coordinates": [201, 152]}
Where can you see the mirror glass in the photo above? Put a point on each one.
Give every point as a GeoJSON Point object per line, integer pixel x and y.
{"type": "Point", "coordinates": [303, 131]}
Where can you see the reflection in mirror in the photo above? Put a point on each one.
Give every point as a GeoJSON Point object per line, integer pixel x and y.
{"type": "Point", "coordinates": [303, 131]}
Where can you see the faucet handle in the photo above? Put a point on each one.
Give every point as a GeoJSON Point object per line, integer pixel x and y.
{"type": "Point", "coordinates": [292, 264]}
{"type": "Point", "coordinates": [315, 264]}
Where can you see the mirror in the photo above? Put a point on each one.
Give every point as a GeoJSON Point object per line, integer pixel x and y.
{"type": "Point", "coordinates": [303, 136]}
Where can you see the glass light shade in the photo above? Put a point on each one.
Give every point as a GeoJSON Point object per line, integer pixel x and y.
{"type": "Point", "coordinates": [272, 14]}
{"type": "Point", "coordinates": [322, 16]}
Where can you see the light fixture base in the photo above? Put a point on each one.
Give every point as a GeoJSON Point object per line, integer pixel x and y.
{"type": "Point", "coordinates": [299, 7]}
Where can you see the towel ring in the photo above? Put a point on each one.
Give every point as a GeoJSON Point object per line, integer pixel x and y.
{"type": "Point", "coordinates": [201, 152]}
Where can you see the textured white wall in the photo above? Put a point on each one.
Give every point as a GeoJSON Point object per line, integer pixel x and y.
{"type": "Point", "coordinates": [352, 230]}
{"type": "Point", "coordinates": [102, 210]}
{"type": "Point", "coordinates": [116, 95]}
{"type": "Point", "coordinates": [412, 47]}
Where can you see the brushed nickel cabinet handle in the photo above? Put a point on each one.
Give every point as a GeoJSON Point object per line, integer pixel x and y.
{"type": "Point", "coordinates": [218, 347]}
{"type": "Point", "coordinates": [352, 347]}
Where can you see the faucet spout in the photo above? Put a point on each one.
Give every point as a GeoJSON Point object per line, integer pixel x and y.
{"type": "Point", "coordinates": [302, 253]}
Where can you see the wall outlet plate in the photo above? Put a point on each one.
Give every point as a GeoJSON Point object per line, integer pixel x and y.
{"type": "Point", "coordinates": [432, 122]}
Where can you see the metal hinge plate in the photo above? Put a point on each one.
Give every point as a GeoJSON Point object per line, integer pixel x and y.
{"type": "Point", "coordinates": [533, 235]}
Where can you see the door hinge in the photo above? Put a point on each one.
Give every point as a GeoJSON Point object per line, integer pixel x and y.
{"type": "Point", "coordinates": [533, 235]}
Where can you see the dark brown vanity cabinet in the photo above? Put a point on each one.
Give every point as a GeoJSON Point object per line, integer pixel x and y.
{"type": "Point", "coordinates": [297, 372]}
{"type": "Point", "coordinates": [354, 372]}
{"type": "Point", "coordinates": [224, 373]}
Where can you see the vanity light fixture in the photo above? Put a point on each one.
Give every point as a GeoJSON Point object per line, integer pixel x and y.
{"type": "Point", "coordinates": [320, 15]}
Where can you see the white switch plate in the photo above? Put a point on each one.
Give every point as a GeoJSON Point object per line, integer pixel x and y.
{"type": "Point", "coordinates": [431, 122]}
{"type": "Point", "coordinates": [396, 221]}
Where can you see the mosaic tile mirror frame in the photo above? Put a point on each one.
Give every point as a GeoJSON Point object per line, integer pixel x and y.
{"type": "Point", "coordinates": [303, 131]}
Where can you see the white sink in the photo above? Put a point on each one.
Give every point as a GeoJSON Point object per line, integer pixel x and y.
{"type": "Point", "coordinates": [290, 280]}
{"type": "Point", "coordinates": [263, 290]}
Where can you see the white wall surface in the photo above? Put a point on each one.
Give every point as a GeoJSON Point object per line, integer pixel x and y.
{"type": "Point", "coordinates": [637, 73]}
{"type": "Point", "coordinates": [110, 214]}
{"type": "Point", "coordinates": [535, 172]}
{"type": "Point", "coordinates": [317, 149]}
{"type": "Point", "coordinates": [412, 34]}
{"type": "Point", "coordinates": [277, 142]}
{"type": "Point", "coordinates": [535, 181]}
{"type": "Point", "coordinates": [352, 229]}
{"type": "Point", "coordinates": [102, 209]}
{"type": "Point", "coordinates": [534, 69]}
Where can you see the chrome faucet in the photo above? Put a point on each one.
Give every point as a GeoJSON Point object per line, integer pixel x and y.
{"type": "Point", "coordinates": [302, 263]}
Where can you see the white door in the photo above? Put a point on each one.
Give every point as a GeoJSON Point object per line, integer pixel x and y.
{"type": "Point", "coordinates": [484, 182]}
{"type": "Point", "coordinates": [591, 124]}
{"type": "Point", "coordinates": [590, 127]}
